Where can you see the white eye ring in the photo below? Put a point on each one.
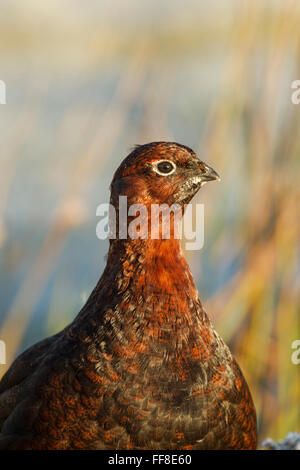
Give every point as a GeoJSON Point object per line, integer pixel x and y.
{"type": "Point", "coordinates": [158, 162]}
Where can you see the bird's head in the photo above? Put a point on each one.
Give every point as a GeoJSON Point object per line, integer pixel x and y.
{"type": "Point", "coordinates": [161, 172]}
{"type": "Point", "coordinates": [157, 180]}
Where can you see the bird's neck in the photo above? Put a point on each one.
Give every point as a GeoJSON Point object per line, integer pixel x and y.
{"type": "Point", "coordinates": [152, 266]}
{"type": "Point", "coordinates": [145, 301]}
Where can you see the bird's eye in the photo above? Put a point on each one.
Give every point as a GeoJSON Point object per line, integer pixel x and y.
{"type": "Point", "coordinates": [165, 167]}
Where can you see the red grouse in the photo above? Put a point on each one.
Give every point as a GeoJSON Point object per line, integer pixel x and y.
{"type": "Point", "coordinates": [141, 366]}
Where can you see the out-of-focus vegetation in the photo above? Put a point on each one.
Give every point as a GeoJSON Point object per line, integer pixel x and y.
{"type": "Point", "coordinates": [85, 82]}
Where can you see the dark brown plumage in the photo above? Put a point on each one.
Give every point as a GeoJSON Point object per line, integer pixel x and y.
{"type": "Point", "coordinates": [141, 366]}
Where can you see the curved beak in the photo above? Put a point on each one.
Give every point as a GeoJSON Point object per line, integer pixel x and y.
{"type": "Point", "coordinates": [210, 174]}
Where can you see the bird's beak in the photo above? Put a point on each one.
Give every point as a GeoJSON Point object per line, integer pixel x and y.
{"type": "Point", "coordinates": [198, 176]}
{"type": "Point", "coordinates": [209, 175]}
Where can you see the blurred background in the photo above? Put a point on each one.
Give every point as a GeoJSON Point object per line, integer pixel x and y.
{"type": "Point", "coordinates": [87, 81]}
